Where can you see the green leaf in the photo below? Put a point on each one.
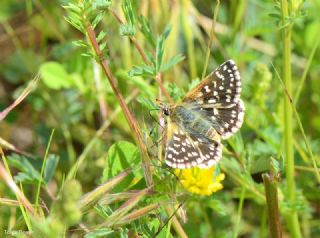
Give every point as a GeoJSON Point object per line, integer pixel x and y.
{"type": "Point", "coordinates": [160, 48]}
{"type": "Point", "coordinates": [128, 12]}
{"type": "Point", "coordinates": [146, 30]}
{"type": "Point", "coordinates": [147, 103]}
{"type": "Point", "coordinates": [101, 35]}
{"type": "Point", "coordinates": [166, 32]}
{"type": "Point", "coordinates": [28, 172]}
{"type": "Point", "coordinates": [121, 156]}
{"type": "Point", "coordinates": [144, 86]}
{"type": "Point", "coordinates": [171, 62]}
{"type": "Point", "coordinates": [103, 232]}
{"type": "Point", "coordinates": [101, 4]}
{"type": "Point", "coordinates": [80, 43]}
{"type": "Point", "coordinates": [175, 92]}
{"type": "Point", "coordinates": [54, 75]}
{"type": "Point", "coordinates": [102, 46]}
{"type": "Point", "coordinates": [143, 70]}
{"type": "Point", "coordinates": [128, 29]}
{"type": "Point", "coordinates": [217, 206]}
{"type": "Point", "coordinates": [51, 165]}
{"type": "Point", "coordinates": [103, 211]}
{"type": "Point", "coordinates": [193, 84]}
{"type": "Point", "coordinates": [96, 20]}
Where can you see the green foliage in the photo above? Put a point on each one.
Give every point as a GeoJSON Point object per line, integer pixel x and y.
{"type": "Point", "coordinates": [50, 167]}
{"type": "Point", "coordinates": [129, 28]}
{"type": "Point", "coordinates": [55, 76]}
{"type": "Point", "coordinates": [175, 92]}
{"type": "Point", "coordinates": [103, 232]}
{"type": "Point", "coordinates": [146, 30]}
{"type": "Point", "coordinates": [66, 208]}
{"type": "Point", "coordinates": [157, 64]}
{"type": "Point", "coordinates": [64, 212]}
{"type": "Point", "coordinates": [74, 97]}
{"type": "Point", "coordinates": [27, 171]}
{"type": "Point", "coordinates": [120, 157]}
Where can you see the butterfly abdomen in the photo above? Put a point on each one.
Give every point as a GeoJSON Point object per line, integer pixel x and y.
{"type": "Point", "coordinates": [192, 121]}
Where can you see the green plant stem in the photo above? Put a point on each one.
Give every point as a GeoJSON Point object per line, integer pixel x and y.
{"type": "Point", "coordinates": [214, 19]}
{"type": "Point", "coordinates": [313, 160]}
{"type": "Point", "coordinates": [237, 225]}
{"type": "Point", "coordinates": [270, 184]}
{"type": "Point", "coordinates": [292, 219]}
{"type": "Point", "coordinates": [42, 169]}
{"type": "Point", "coordinates": [188, 37]}
{"type": "Point", "coordinates": [263, 222]}
{"type": "Point", "coordinates": [306, 70]}
{"type": "Point", "coordinates": [135, 129]}
{"type": "Point", "coordinates": [239, 12]}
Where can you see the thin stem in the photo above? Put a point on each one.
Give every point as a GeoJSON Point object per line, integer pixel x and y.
{"type": "Point", "coordinates": [313, 160]}
{"type": "Point", "coordinates": [306, 70]}
{"type": "Point", "coordinates": [127, 113]}
{"type": "Point", "coordinates": [237, 225]}
{"type": "Point", "coordinates": [188, 37]}
{"type": "Point", "coordinates": [7, 177]}
{"type": "Point", "coordinates": [176, 224]}
{"type": "Point", "coordinates": [33, 83]}
{"type": "Point", "coordinates": [7, 145]}
{"type": "Point", "coordinates": [42, 169]}
{"type": "Point", "coordinates": [239, 12]}
{"type": "Point", "coordinates": [214, 20]}
{"type": "Point", "coordinates": [25, 215]}
{"type": "Point", "coordinates": [292, 219]}
{"type": "Point", "coordinates": [270, 184]}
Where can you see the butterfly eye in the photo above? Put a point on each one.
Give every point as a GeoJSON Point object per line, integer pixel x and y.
{"type": "Point", "coordinates": [166, 111]}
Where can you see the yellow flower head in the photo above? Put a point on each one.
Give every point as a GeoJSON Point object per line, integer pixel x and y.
{"type": "Point", "coordinates": [200, 181]}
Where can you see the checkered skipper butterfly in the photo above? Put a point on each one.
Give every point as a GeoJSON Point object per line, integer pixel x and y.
{"type": "Point", "coordinates": [210, 112]}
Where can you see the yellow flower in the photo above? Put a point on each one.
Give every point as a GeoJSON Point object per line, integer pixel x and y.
{"type": "Point", "coordinates": [200, 181]}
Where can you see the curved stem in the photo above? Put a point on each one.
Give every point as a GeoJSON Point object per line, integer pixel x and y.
{"type": "Point", "coordinates": [127, 113]}
{"type": "Point", "coordinates": [292, 219]}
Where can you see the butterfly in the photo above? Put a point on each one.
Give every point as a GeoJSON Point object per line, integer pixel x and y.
{"type": "Point", "coordinates": [209, 113]}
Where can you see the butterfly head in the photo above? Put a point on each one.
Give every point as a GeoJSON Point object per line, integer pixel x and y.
{"type": "Point", "coordinates": [165, 108]}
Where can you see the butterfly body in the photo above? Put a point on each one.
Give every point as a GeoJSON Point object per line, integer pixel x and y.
{"type": "Point", "coordinates": [193, 121]}
{"type": "Point", "coordinates": [210, 112]}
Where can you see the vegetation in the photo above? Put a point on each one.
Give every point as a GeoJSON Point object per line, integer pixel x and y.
{"type": "Point", "coordinates": [81, 134]}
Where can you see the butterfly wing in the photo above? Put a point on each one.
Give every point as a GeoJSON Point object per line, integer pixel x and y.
{"type": "Point", "coordinates": [221, 87]}
{"type": "Point", "coordinates": [226, 120]}
{"type": "Point", "coordinates": [185, 151]}
{"type": "Point", "coordinates": [218, 97]}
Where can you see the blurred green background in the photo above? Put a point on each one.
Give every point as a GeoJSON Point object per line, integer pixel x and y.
{"type": "Point", "coordinates": [74, 97]}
